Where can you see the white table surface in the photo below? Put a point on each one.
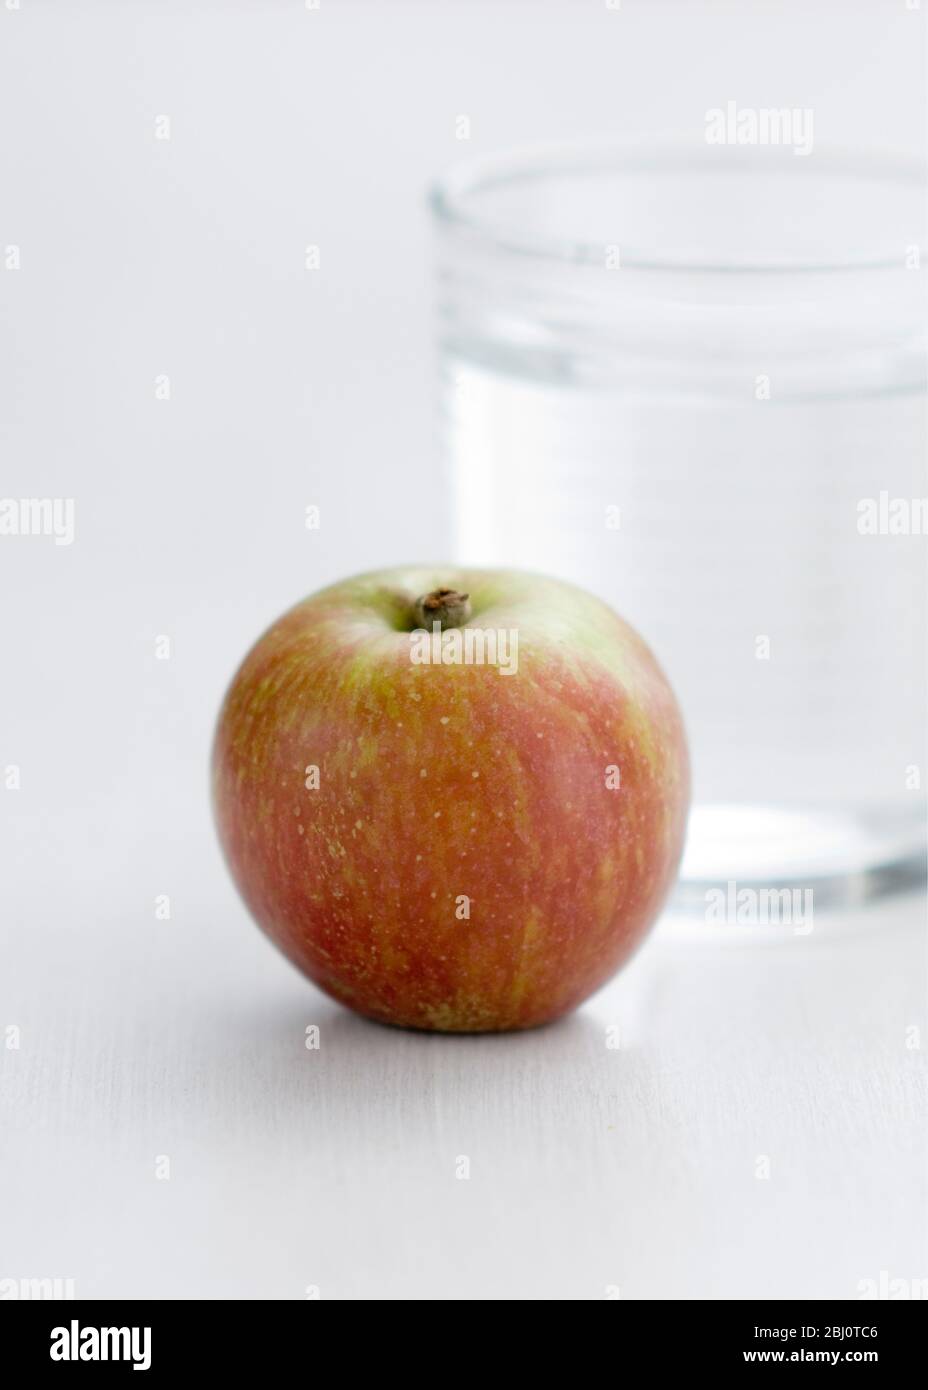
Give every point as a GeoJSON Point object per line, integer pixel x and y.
{"type": "Point", "coordinates": [591, 1168]}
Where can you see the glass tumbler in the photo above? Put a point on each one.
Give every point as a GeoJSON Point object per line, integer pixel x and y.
{"type": "Point", "coordinates": [692, 380]}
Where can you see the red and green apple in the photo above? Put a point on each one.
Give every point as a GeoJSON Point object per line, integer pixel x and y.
{"type": "Point", "coordinates": [456, 799]}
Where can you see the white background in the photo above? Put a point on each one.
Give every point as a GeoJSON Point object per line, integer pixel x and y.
{"type": "Point", "coordinates": [139, 257]}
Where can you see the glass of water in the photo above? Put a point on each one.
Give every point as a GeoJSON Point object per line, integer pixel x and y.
{"type": "Point", "coordinates": [693, 381]}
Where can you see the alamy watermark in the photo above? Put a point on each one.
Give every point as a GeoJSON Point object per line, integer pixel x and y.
{"type": "Point", "coordinates": [36, 1290]}
{"type": "Point", "coordinates": [38, 516]}
{"type": "Point", "coordinates": [892, 516]}
{"type": "Point", "coordinates": [764, 125]}
{"type": "Point", "coordinates": [466, 646]}
{"type": "Point", "coordinates": [751, 907]}
{"type": "Point", "coordinates": [884, 1288]}
{"type": "Point", "coordinates": [82, 1343]}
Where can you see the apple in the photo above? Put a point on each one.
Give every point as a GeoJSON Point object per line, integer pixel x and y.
{"type": "Point", "coordinates": [455, 799]}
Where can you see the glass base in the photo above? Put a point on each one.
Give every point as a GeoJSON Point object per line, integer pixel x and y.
{"type": "Point", "coordinates": [846, 857]}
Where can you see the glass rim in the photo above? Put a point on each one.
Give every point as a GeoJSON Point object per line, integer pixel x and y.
{"type": "Point", "coordinates": [449, 194]}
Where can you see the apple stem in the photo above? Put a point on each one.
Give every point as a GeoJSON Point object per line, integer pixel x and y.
{"type": "Point", "coordinates": [446, 607]}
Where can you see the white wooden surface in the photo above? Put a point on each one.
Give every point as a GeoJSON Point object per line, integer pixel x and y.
{"type": "Point", "coordinates": [590, 1168]}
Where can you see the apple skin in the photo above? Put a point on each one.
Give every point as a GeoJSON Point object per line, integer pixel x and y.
{"type": "Point", "coordinates": [440, 782]}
